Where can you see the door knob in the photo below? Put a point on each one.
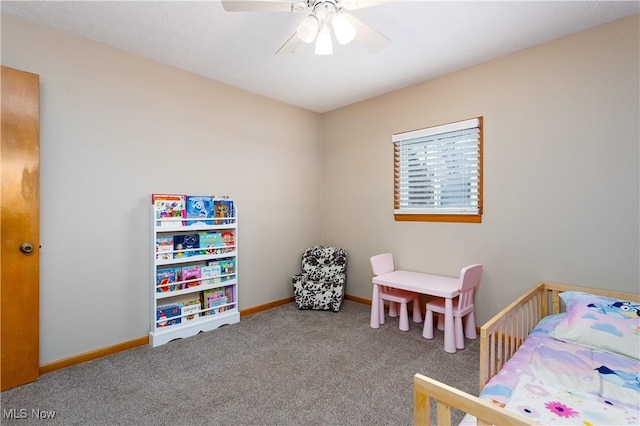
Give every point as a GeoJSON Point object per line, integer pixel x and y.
{"type": "Point", "coordinates": [26, 248]}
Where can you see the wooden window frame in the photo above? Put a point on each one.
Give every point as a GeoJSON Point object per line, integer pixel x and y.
{"type": "Point", "coordinates": [441, 217]}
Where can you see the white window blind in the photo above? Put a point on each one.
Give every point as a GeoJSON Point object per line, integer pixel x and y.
{"type": "Point", "coordinates": [438, 169]}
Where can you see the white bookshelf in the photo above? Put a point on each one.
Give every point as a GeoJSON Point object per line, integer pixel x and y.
{"type": "Point", "coordinates": [177, 292]}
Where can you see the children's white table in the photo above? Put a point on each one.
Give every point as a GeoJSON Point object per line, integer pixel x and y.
{"type": "Point", "coordinates": [433, 285]}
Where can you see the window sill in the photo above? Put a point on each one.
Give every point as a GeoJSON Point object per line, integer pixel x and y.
{"type": "Point", "coordinates": [463, 218]}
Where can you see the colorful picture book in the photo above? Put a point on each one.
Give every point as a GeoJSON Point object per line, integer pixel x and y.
{"type": "Point", "coordinates": [229, 240]}
{"type": "Point", "coordinates": [164, 247]}
{"type": "Point", "coordinates": [168, 207]}
{"type": "Point", "coordinates": [167, 278]}
{"type": "Point", "coordinates": [223, 210]}
{"type": "Point", "coordinates": [184, 245]}
{"type": "Point", "coordinates": [199, 206]}
{"type": "Point", "coordinates": [210, 274]}
{"type": "Point", "coordinates": [212, 301]}
{"type": "Point", "coordinates": [228, 268]}
{"type": "Point", "coordinates": [228, 292]}
{"type": "Point", "coordinates": [167, 315]}
{"type": "Point", "coordinates": [190, 310]}
{"type": "Point", "coordinates": [211, 243]}
{"type": "Point", "coordinates": [191, 276]}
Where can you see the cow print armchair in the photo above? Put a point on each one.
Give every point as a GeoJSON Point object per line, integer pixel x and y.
{"type": "Point", "coordinates": [320, 286]}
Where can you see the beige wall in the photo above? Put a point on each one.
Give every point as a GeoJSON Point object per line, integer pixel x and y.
{"type": "Point", "coordinates": [561, 160]}
{"type": "Point", "coordinates": [114, 129]}
{"type": "Point", "coordinates": [561, 170]}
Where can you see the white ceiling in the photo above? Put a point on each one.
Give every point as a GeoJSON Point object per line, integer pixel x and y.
{"type": "Point", "coordinates": [428, 39]}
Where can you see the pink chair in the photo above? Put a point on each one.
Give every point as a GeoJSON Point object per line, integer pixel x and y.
{"type": "Point", "coordinates": [462, 307]}
{"type": "Point", "coordinates": [383, 264]}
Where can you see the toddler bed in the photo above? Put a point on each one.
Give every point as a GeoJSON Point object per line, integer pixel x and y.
{"type": "Point", "coordinates": [558, 354]}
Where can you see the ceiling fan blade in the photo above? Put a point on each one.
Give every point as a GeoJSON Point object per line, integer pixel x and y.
{"type": "Point", "coordinates": [263, 5]}
{"type": "Point", "coordinates": [290, 45]}
{"type": "Point", "coordinates": [359, 4]}
{"type": "Point", "coordinates": [371, 39]}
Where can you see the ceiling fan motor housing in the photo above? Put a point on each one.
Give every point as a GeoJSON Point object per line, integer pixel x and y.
{"type": "Point", "coordinates": [323, 16]}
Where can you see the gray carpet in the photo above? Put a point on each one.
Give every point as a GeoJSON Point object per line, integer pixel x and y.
{"type": "Point", "coordinates": [278, 367]}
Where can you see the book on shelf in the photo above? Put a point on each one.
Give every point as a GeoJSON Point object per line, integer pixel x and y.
{"type": "Point", "coordinates": [229, 240]}
{"type": "Point", "coordinates": [228, 268]}
{"type": "Point", "coordinates": [213, 300]}
{"type": "Point", "coordinates": [223, 211]}
{"type": "Point", "coordinates": [211, 243]}
{"type": "Point", "coordinates": [216, 264]}
{"type": "Point", "coordinates": [184, 245]}
{"type": "Point", "coordinates": [190, 273]}
{"type": "Point", "coordinates": [168, 207]}
{"type": "Point", "coordinates": [167, 315]}
{"type": "Point", "coordinates": [190, 310]}
{"type": "Point", "coordinates": [210, 274]}
{"type": "Point", "coordinates": [228, 292]}
{"type": "Point", "coordinates": [164, 247]}
{"type": "Point", "coordinates": [199, 207]}
{"type": "Point", "coordinates": [166, 279]}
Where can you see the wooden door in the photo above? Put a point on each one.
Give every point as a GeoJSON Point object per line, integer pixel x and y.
{"type": "Point", "coordinates": [19, 228]}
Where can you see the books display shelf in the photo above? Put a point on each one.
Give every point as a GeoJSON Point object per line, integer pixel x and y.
{"type": "Point", "coordinates": [194, 287]}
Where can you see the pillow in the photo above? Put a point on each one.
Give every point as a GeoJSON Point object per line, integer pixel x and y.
{"type": "Point", "coordinates": [601, 323]}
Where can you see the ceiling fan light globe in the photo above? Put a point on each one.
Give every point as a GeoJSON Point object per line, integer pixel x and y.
{"type": "Point", "coordinates": [308, 29]}
{"type": "Point", "coordinates": [324, 46]}
{"type": "Point", "coordinates": [343, 28]}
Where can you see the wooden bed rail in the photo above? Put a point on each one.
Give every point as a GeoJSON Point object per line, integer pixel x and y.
{"type": "Point", "coordinates": [448, 397]}
{"type": "Point", "coordinates": [502, 335]}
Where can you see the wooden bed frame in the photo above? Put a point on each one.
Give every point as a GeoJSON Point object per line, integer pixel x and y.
{"type": "Point", "coordinates": [500, 337]}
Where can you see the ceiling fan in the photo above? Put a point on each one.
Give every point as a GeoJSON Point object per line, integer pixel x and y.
{"type": "Point", "coordinates": [322, 17]}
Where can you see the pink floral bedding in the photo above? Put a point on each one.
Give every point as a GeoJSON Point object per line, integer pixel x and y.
{"type": "Point", "coordinates": [559, 383]}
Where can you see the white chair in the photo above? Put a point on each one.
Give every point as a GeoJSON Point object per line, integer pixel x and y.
{"type": "Point", "coordinates": [463, 307]}
{"type": "Point", "coordinates": [383, 264]}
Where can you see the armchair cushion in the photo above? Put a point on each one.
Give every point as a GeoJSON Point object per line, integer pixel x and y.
{"type": "Point", "coordinates": [320, 286]}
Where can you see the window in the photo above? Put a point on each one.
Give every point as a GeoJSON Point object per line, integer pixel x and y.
{"type": "Point", "coordinates": [438, 173]}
